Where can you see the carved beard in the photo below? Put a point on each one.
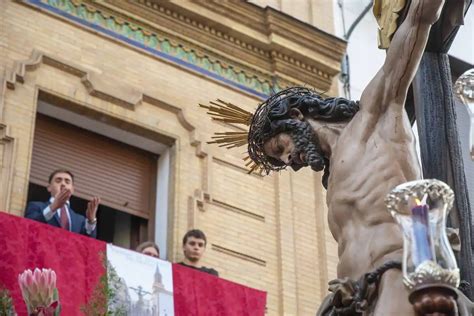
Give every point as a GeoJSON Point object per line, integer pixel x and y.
{"type": "Point", "coordinates": [306, 142]}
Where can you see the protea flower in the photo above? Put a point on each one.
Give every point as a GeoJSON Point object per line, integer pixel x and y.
{"type": "Point", "coordinates": [39, 292]}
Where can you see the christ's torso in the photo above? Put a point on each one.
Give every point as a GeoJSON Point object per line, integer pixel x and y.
{"type": "Point", "coordinates": [367, 163]}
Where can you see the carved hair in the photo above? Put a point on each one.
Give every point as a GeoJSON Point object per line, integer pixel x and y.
{"type": "Point", "coordinates": [273, 117]}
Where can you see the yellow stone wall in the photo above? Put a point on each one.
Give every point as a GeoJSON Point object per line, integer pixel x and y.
{"type": "Point", "coordinates": [315, 12]}
{"type": "Point", "coordinates": [269, 233]}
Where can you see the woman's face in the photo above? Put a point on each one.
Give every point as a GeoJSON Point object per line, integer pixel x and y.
{"type": "Point", "coordinates": [151, 251]}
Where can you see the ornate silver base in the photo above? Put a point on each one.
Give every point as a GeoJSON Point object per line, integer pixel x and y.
{"type": "Point", "coordinates": [430, 273]}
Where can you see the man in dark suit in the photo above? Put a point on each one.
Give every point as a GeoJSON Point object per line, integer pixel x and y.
{"type": "Point", "coordinates": [58, 212]}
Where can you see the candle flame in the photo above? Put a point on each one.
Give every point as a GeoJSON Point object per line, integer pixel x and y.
{"type": "Point", "coordinates": [423, 200]}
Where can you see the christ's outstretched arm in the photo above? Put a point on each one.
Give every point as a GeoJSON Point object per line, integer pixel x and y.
{"type": "Point", "coordinates": [388, 89]}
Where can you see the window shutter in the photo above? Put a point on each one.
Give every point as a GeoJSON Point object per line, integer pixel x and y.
{"type": "Point", "coordinates": [121, 175]}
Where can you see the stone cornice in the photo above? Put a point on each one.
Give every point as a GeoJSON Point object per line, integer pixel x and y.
{"type": "Point", "coordinates": [265, 37]}
{"type": "Point", "coordinates": [322, 47]}
{"type": "Point", "coordinates": [189, 31]}
{"type": "Point", "coordinates": [270, 21]}
{"type": "Point", "coordinates": [238, 11]}
{"type": "Point", "coordinates": [198, 29]}
{"type": "Point", "coordinates": [261, 51]}
{"type": "Point", "coordinates": [150, 40]}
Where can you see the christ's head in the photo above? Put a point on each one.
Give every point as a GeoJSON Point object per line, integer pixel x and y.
{"type": "Point", "coordinates": [281, 135]}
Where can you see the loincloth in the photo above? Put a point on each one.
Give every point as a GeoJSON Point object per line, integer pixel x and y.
{"type": "Point", "coordinates": [350, 297]}
{"type": "Point", "coordinates": [353, 298]}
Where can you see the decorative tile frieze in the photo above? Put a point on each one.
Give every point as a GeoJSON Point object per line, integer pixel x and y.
{"type": "Point", "coordinates": [273, 22]}
{"type": "Point", "coordinates": [161, 45]}
{"type": "Point", "coordinates": [275, 51]}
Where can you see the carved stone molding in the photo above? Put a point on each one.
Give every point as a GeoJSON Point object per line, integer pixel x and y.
{"type": "Point", "coordinates": [240, 168]}
{"type": "Point", "coordinates": [201, 197]}
{"type": "Point", "coordinates": [197, 202]}
{"type": "Point", "coordinates": [239, 255]}
{"type": "Point", "coordinates": [268, 21]}
{"type": "Point", "coordinates": [3, 91]}
{"type": "Point", "coordinates": [159, 43]}
{"type": "Point", "coordinates": [7, 155]}
{"type": "Point", "coordinates": [316, 59]}
{"type": "Point", "coordinates": [284, 52]}
{"type": "Point", "coordinates": [238, 210]}
{"type": "Point", "coordinates": [118, 94]}
{"type": "Point", "coordinates": [102, 87]}
{"type": "Point", "coordinates": [106, 89]}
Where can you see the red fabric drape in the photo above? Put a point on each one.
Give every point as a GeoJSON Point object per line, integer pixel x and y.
{"type": "Point", "coordinates": [200, 294]}
{"type": "Point", "coordinates": [26, 244]}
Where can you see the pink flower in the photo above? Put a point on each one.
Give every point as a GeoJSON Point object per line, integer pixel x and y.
{"type": "Point", "coordinates": [39, 291]}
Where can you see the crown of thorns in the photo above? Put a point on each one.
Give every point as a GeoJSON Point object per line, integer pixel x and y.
{"type": "Point", "coordinates": [260, 127]}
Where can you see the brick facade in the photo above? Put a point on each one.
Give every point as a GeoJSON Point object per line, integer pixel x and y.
{"type": "Point", "coordinates": [270, 232]}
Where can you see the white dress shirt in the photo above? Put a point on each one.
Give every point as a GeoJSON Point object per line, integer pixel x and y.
{"type": "Point", "coordinates": [49, 214]}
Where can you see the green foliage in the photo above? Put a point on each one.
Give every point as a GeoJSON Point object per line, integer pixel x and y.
{"type": "Point", "coordinates": [57, 312]}
{"type": "Point", "coordinates": [104, 301]}
{"type": "Point", "coordinates": [6, 303]}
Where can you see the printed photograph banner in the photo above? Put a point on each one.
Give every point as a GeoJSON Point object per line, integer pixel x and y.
{"type": "Point", "coordinates": [142, 285]}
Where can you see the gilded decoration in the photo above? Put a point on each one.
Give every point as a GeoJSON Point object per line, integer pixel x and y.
{"type": "Point", "coordinates": [387, 13]}
{"type": "Point", "coordinates": [162, 44]}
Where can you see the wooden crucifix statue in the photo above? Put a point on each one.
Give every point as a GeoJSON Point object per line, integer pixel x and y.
{"type": "Point", "coordinates": [366, 149]}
